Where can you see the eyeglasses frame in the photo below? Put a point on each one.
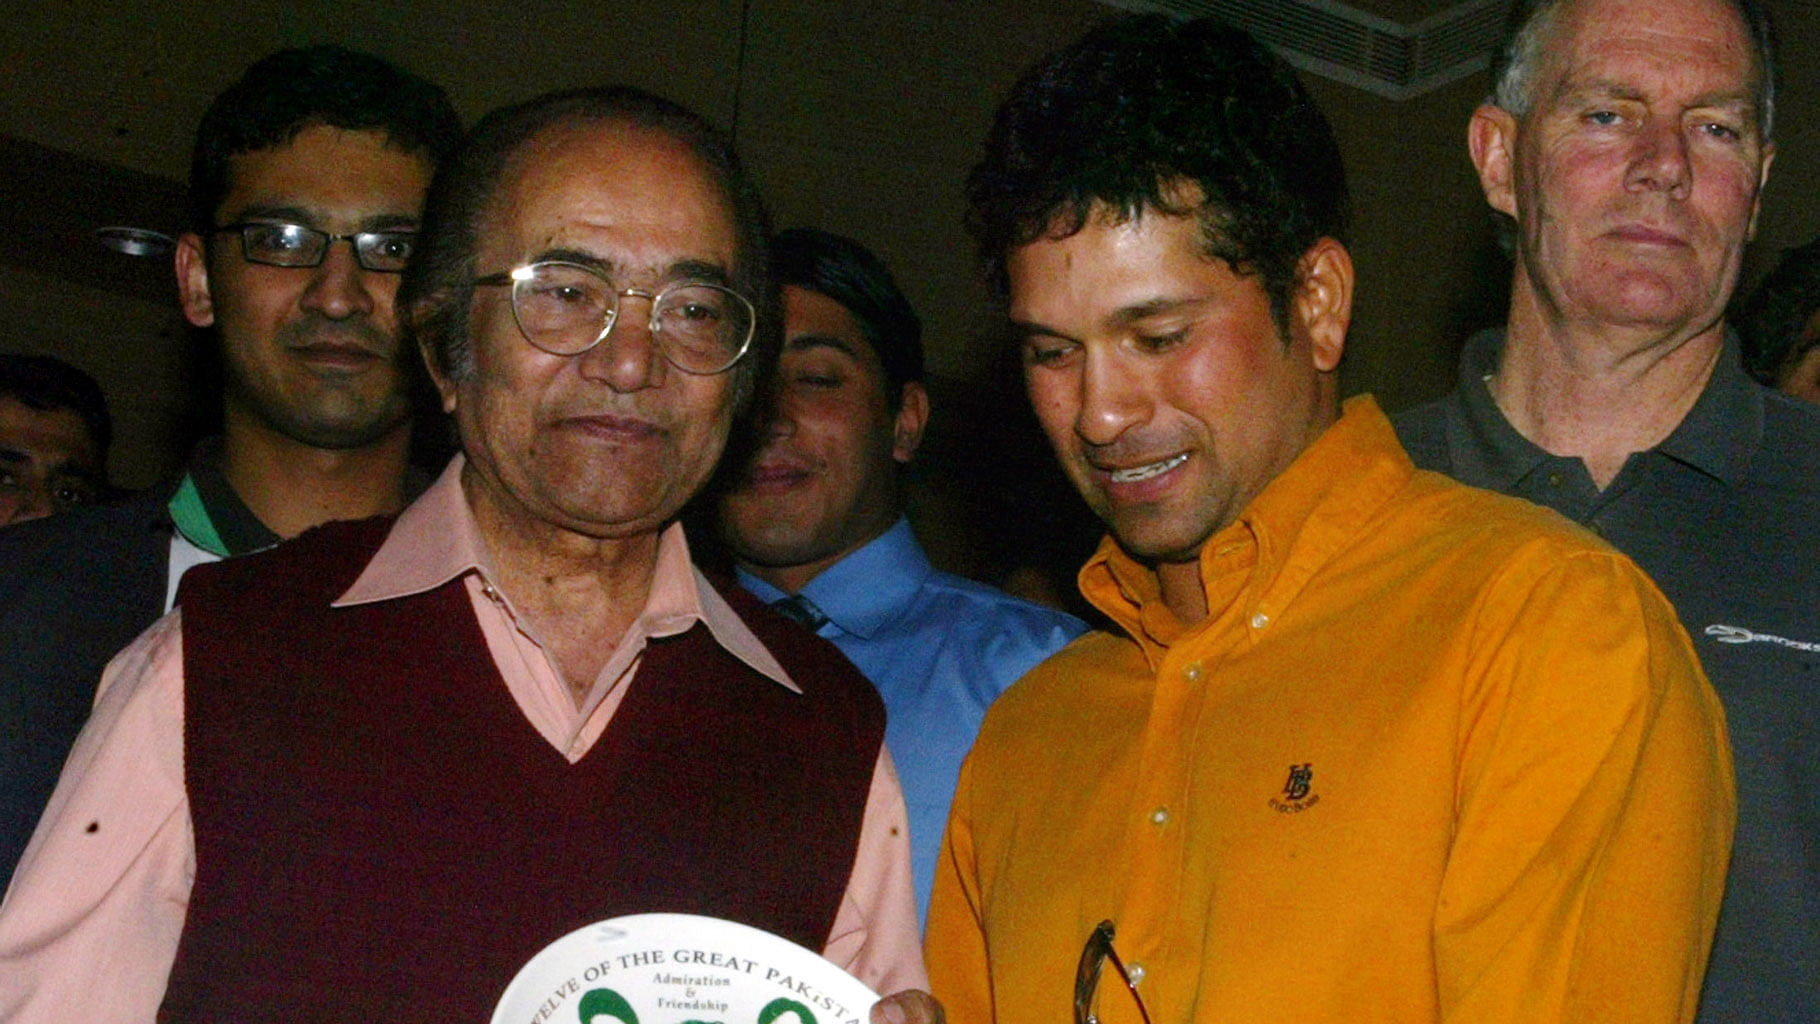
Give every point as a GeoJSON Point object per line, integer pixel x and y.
{"type": "Point", "coordinates": [1094, 954]}
{"type": "Point", "coordinates": [510, 278]}
{"type": "Point", "coordinates": [353, 240]}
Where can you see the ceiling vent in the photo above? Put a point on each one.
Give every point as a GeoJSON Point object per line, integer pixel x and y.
{"type": "Point", "coordinates": [1335, 41]}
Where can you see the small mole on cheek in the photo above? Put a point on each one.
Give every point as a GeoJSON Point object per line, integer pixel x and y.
{"type": "Point", "coordinates": [93, 826]}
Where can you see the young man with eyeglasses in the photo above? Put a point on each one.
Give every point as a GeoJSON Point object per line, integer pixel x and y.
{"type": "Point", "coordinates": [306, 186]}
{"type": "Point", "coordinates": [1370, 745]}
{"type": "Point", "coordinates": [383, 765]}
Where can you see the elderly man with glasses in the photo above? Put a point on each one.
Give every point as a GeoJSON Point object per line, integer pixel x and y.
{"type": "Point", "coordinates": [383, 765]}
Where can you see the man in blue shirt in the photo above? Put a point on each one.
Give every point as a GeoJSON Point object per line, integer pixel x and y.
{"type": "Point", "coordinates": [816, 525]}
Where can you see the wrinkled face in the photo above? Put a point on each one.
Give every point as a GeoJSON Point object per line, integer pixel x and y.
{"type": "Point", "coordinates": [1160, 378]}
{"type": "Point", "coordinates": [48, 462]}
{"type": "Point", "coordinates": [310, 353]}
{"type": "Point", "coordinates": [612, 442]}
{"type": "Point", "coordinates": [824, 482]}
{"type": "Point", "coordinates": [1637, 171]}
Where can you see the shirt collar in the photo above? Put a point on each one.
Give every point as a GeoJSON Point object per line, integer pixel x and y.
{"type": "Point", "coordinates": [1489, 451]}
{"type": "Point", "coordinates": [235, 529]}
{"type": "Point", "coordinates": [1310, 513]}
{"type": "Point", "coordinates": [436, 539]}
{"type": "Point", "coordinates": [1725, 426]}
{"type": "Point", "coordinates": [1716, 437]}
{"type": "Point", "coordinates": [869, 588]}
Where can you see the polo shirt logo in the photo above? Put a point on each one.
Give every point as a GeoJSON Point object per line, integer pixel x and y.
{"type": "Point", "coordinates": [1740, 635]}
{"type": "Point", "coordinates": [1298, 792]}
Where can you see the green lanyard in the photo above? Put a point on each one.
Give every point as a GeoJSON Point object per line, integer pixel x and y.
{"type": "Point", "coordinates": [192, 519]}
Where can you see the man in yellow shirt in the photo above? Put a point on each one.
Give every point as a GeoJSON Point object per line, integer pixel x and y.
{"type": "Point", "coordinates": [1368, 745]}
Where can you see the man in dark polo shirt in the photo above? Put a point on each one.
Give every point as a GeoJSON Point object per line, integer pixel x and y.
{"type": "Point", "coordinates": [376, 769]}
{"type": "Point", "coordinates": [1629, 141]}
{"type": "Point", "coordinates": [306, 183]}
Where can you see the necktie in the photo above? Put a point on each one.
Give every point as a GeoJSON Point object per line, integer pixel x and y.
{"type": "Point", "coordinates": [800, 609]}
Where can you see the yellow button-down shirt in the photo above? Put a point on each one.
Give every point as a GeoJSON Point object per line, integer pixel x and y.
{"type": "Point", "coordinates": [1434, 755]}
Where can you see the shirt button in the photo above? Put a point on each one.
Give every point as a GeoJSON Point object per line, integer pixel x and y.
{"type": "Point", "coordinates": [1260, 620]}
{"type": "Point", "coordinates": [1554, 479]}
{"type": "Point", "coordinates": [1192, 673]}
{"type": "Point", "coordinates": [1136, 972]}
{"type": "Point", "coordinates": [1160, 816]}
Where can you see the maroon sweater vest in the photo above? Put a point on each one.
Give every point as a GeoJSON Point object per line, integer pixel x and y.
{"type": "Point", "coordinates": [381, 835]}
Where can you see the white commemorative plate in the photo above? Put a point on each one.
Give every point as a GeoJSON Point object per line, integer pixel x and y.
{"type": "Point", "coordinates": [680, 969]}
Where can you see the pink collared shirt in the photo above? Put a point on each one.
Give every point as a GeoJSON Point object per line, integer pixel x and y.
{"type": "Point", "coordinates": [90, 924]}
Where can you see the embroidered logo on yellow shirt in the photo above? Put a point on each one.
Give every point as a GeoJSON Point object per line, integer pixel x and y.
{"type": "Point", "coordinates": [1298, 792]}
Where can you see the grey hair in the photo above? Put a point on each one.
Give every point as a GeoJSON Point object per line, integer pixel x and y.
{"type": "Point", "coordinates": [1530, 28]}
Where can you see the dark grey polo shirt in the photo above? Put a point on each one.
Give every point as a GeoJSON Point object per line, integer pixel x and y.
{"type": "Point", "coordinates": [1725, 515]}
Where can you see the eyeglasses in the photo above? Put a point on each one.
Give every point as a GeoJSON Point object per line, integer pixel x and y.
{"type": "Point", "coordinates": [1087, 976]}
{"type": "Point", "coordinates": [566, 309]}
{"type": "Point", "coordinates": [293, 245]}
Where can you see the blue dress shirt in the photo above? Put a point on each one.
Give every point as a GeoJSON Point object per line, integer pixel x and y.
{"type": "Point", "coordinates": [939, 648]}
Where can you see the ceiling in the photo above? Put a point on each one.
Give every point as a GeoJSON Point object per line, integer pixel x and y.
{"type": "Point", "coordinates": [1398, 49]}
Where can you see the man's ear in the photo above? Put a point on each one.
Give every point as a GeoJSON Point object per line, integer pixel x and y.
{"type": "Point", "coordinates": [445, 388]}
{"type": "Point", "coordinates": [192, 264]}
{"type": "Point", "coordinates": [1756, 203]}
{"type": "Point", "coordinates": [912, 417]}
{"type": "Point", "coordinates": [445, 385]}
{"type": "Point", "coordinates": [1322, 310]}
{"type": "Point", "coordinates": [1491, 136]}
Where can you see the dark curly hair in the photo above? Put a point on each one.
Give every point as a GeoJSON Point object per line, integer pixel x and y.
{"type": "Point", "coordinates": [438, 286]}
{"type": "Point", "coordinates": [1142, 106]}
{"type": "Point", "coordinates": [854, 276]}
{"type": "Point", "coordinates": [282, 94]}
{"type": "Point", "coordinates": [1772, 322]}
{"type": "Point", "coordinates": [46, 383]}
